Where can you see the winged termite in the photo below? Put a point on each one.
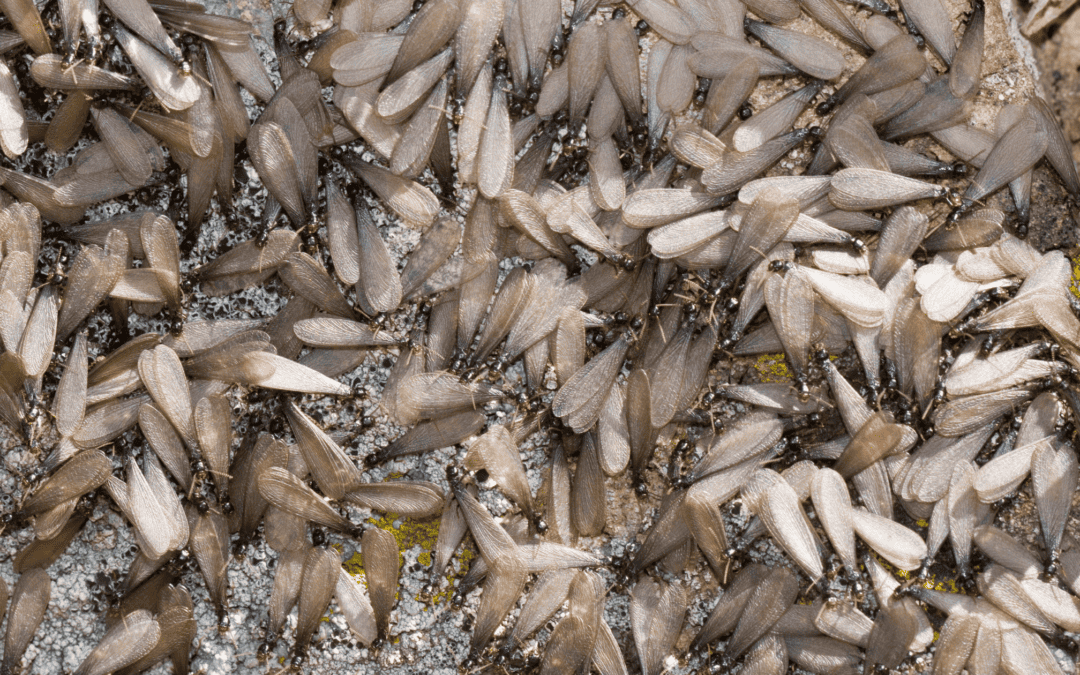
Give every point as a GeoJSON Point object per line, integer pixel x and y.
{"type": "Point", "coordinates": [123, 145]}
{"type": "Point", "coordinates": [729, 608]}
{"type": "Point", "coordinates": [828, 14]}
{"type": "Point", "coordinates": [317, 584]}
{"type": "Point", "coordinates": [414, 146]}
{"type": "Point", "coordinates": [819, 653]}
{"type": "Point", "coordinates": [676, 84]}
{"type": "Point", "coordinates": [736, 168]}
{"type": "Point", "coordinates": [148, 501]}
{"type": "Point", "coordinates": [938, 109]}
{"type": "Point", "coordinates": [26, 19]}
{"type": "Point", "coordinates": [472, 305]}
{"type": "Point", "coordinates": [774, 120]}
{"type": "Point", "coordinates": [286, 591]}
{"type": "Point", "coordinates": [895, 626]}
{"type": "Point", "coordinates": [876, 439]}
{"type": "Point", "coordinates": [39, 334]}
{"type": "Point", "coordinates": [176, 622]}
{"type": "Point", "coordinates": [1006, 551]}
{"type": "Point", "coordinates": [93, 274]}
{"type": "Point", "coordinates": [14, 136]}
{"type": "Point", "coordinates": [29, 600]}
{"type": "Point", "coordinates": [1058, 604]}
{"type": "Point", "coordinates": [175, 90]}
{"type": "Point", "coordinates": [209, 544]}
{"type": "Point", "coordinates": [284, 490]}
{"type": "Point", "coordinates": [273, 157]}
{"type": "Point", "coordinates": [720, 55]}
{"type": "Point", "coordinates": [859, 189]}
{"type": "Point", "coordinates": [42, 553]}
{"type": "Point", "coordinates": [1015, 152]}
{"type": "Point", "coordinates": [763, 226]}
{"type": "Point", "coordinates": [843, 621]}
{"type": "Point", "coordinates": [568, 350]}
{"type": "Point", "coordinates": [657, 611]}
{"type": "Point", "coordinates": [86, 471]}
{"type": "Point", "coordinates": [436, 394]}
{"type": "Point", "coordinates": [813, 56]}
{"type": "Point", "coordinates": [105, 422]}
{"type": "Point", "coordinates": [335, 332]}
{"type": "Point", "coordinates": [929, 17]}
{"type": "Point", "coordinates": [775, 502]}
{"type": "Point", "coordinates": [573, 640]}
{"type": "Point", "coordinates": [578, 401]}
{"type": "Point", "coordinates": [549, 297]}
{"type": "Point", "coordinates": [1004, 589]}
{"type": "Point", "coordinates": [411, 201]}
{"type": "Point", "coordinates": [497, 452]}
{"type": "Point", "coordinates": [833, 505]}
{"type": "Point", "coordinates": [897, 544]}
{"type": "Point", "coordinates": [897, 62]}
{"type": "Point", "coordinates": [546, 597]}
{"type": "Point", "coordinates": [1054, 475]}
{"type": "Point", "coordinates": [42, 195]}
{"type": "Point", "coordinates": [965, 512]}
{"type": "Point", "coordinates": [587, 506]}
{"type": "Point", "coordinates": [790, 301]}
{"type": "Point", "coordinates": [727, 95]}
{"type": "Point", "coordinates": [399, 100]}
{"type": "Point", "coordinates": [355, 604]}
{"type": "Point", "coordinates": [764, 607]}
{"type": "Point", "coordinates": [622, 51]}
{"type": "Point", "coordinates": [333, 470]}
{"type": "Point", "coordinates": [652, 208]}
{"type": "Point", "coordinates": [963, 415]}
{"type": "Point", "coordinates": [342, 234]}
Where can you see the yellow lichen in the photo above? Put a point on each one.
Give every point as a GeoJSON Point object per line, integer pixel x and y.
{"type": "Point", "coordinates": [932, 582]}
{"type": "Point", "coordinates": [1075, 285]}
{"type": "Point", "coordinates": [773, 368]}
{"type": "Point", "coordinates": [409, 533]}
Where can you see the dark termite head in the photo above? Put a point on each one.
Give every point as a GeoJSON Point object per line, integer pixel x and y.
{"type": "Point", "coordinates": [827, 106]}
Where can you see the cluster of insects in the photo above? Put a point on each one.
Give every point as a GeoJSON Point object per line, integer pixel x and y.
{"type": "Point", "coordinates": [604, 226]}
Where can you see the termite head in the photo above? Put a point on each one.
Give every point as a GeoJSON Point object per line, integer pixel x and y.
{"type": "Point", "coordinates": [955, 200]}
{"type": "Point", "coordinates": [457, 600]}
{"type": "Point", "coordinates": [266, 647]}
{"type": "Point", "coordinates": [626, 262]}
{"type": "Point", "coordinates": [453, 475]}
{"type": "Point", "coordinates": [827, 106]}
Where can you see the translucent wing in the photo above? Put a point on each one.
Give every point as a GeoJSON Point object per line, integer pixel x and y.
{"type": "Point", "coordinates": [28, 603]}
{"type": "Point", "coordinates": [415, 499]}
{"type": "Point", "coordinates": [381, 568]}
{"type": "Point", "coordinates": [284, 490]}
